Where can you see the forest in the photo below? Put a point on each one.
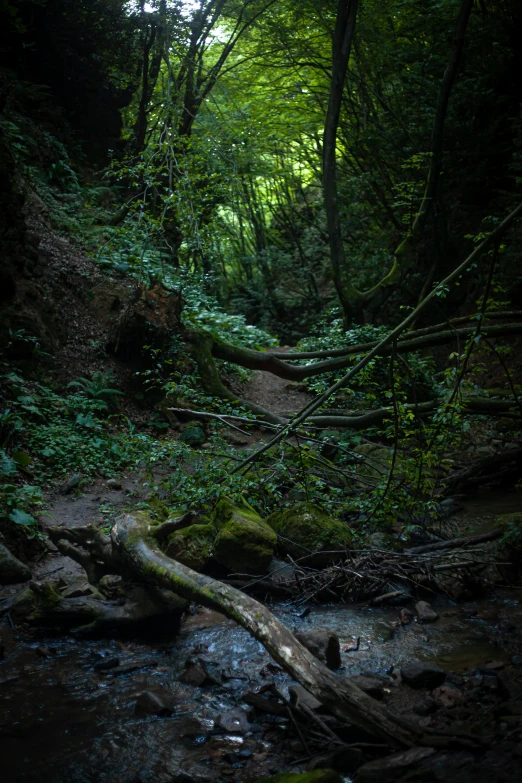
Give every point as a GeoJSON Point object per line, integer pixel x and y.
{"type": "Point", "coordinates": [260, 391]}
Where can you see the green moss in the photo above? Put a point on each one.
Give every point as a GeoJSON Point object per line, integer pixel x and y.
{"type": "Point", "coordinates": [139, 527]}
{"type": "Point", "coordinates": [244, 545]}
{"type": "Point", "coordinates": [378, 460]}
{"type": "Point", "coordinates": [507, 520]}
{"type": "Point", "coordinates": [306, 529]}
{"type": "Point", "coordinates": [226, 510]}
{"type": "Point", "coordinates": [317, 776]}
{"type": "Point", "coordinates": [193, 435]}
{"type": "Point", "coordinates": [35, 599]}
{"type": "Point", "coordinates": [191, 546]}
{"type": "Point", "coordinates": [46, 595]}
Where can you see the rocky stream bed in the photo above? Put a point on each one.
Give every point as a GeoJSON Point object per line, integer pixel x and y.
{"type": "Point", "coordinates": [176, 708]}
{"type": "Point", "coordinates": [181, 702]}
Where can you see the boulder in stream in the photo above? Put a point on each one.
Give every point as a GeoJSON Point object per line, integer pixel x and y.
{"type": "Point", "coordinates": [150, 703]}
{"type": "Point", "coordinates": [425, 612]}
{"type": "Point", "coordinates": [306, 532]}
{"type": "Point", "coordinates": [244, 542]}
{"type": "Point", "coordinates": [234, 721]}
{"type": "Point", "coordinates": [192, 545]}
{"type": "Point", "coordinates": [12, 570]}
{"type": "Point", "coordinates": [322, 643]}
{"type": "Point", "coordinates": [372, 686]}
{"type": "Point", "coordinates": [423, 675]}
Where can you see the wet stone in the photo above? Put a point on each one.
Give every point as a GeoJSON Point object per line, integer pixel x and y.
{"type": "Point", "coordinates": [455, 679]}
{"type": "Point", "coordinates": [196, 674]}
{"type": "Point", "coordinates": [491, 684]}
{"type": "Point", "coordinates": [71, 484]}
{"type": "Point", "coordinates": [79, 589]}
{"type": "Point", "coordinates": [395, 675]}
{"type": "Point", "coordinates": [238, 757]}
{"type": "Point", "coordinates": [447, 696]}
{"type": "Point", "coordinates": [322, 643]}
{"type": "Point", "coordinates": [234, 722]}
{"type": "Point", "coordinates": [492, 666]}
{"type": "Point", "coordinates": [406, 616]}
{"type": "Point", "coordinates": [105, 665]}
{"type": "Point", "coordinates": [425, 612]}
{"type": "Point", "coordinates": [423, 675]}
{"type": "Point", "coordinates": [113, 483]}
{"type": "Point", "coordinates": [370, 685]}
{"type": "Point", "coordinates": [110, 582]}
{"type": "Point", "coordinates": [148, 703]}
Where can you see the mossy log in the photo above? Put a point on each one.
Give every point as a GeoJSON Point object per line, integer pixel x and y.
{"type": "Point", "coordinates": [278, 363]}
{"type": "Point", "coordinates": [132, 551]}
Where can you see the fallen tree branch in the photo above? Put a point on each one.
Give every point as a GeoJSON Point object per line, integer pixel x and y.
{"type": "Point", "coordinates": [390, 338]}
{"type": "Point", "coordinates": [433, 329]}
{"type": "Point", "coordinates": [364, 419]}
{"type": "Point", "coordinates": [456, 542]}
{"type": "Point", "coordinates": [162, 532]}
{"type": "Point", "coordinates": [476, 470]}
{"type": "Point", "coordinates": [275, 363]}
{"type": "Point", "coordinates": [471, 405]}
{"type": "Point", "coordinates": [131, 551]}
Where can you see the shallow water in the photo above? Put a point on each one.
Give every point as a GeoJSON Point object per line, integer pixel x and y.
{"type": "Point", "coordinates": [61, 721]}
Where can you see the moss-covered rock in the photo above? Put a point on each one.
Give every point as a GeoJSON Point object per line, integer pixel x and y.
{"type": "Point", "coordinates": [378, 460]}
{"type": "Point", "coordinates": [192, 546]}
{"type": "Point", "coordinates": [193, 435]}
{"type": "Point", "coordinates": [510, 522]}
{"type": "Point", "coordinates": [35, 600]}
{"type": "Point", "coordinates": [306, 530]}
{"type": "Point", "coordinates": [317, 776]}
{"type": "Point", "coordinates": [244, 543]}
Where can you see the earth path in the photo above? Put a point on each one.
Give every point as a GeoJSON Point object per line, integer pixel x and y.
{"type": "Point", "coordinates": [276, 394]}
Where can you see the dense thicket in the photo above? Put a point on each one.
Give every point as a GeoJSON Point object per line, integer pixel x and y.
{"type": "Point", "coordinates": [293, 167]}
{"type": "Point", "coordinates": [214, 119]}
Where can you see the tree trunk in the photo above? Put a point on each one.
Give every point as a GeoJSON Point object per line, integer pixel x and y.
{"type": "Point", "coordinates": [404, 254]}
{"type": "Point", "coordinates": [341, 47]}
{"type": "Point", "coordinates": [353, 302]}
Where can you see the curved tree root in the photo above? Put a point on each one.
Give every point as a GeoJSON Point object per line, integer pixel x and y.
{"type": "Point", "coordinates": [204, 347]}
{"type": "Point", "coordinates": [132, 551]}
{"type": "Point", "coordinates": [199, 345]}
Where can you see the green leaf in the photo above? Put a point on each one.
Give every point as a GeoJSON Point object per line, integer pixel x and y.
{"type": "Point", "coordinates": [21, 517]}
{"type": "Point", "coordinates": [22, 459]}
{"type": "Point", "coordinates": [86, 420]}
{"type": "Point", "coordinates": [7, 465]}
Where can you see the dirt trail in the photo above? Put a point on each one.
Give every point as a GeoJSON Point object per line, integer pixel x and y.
{"type": "Point", "coordinates": [276, 394]}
